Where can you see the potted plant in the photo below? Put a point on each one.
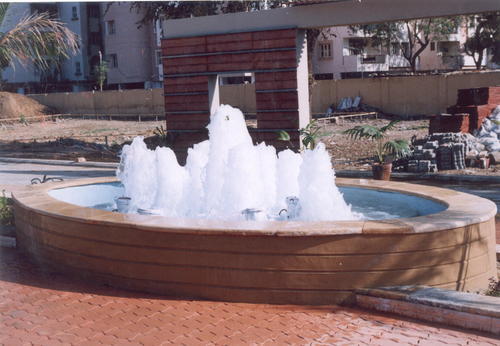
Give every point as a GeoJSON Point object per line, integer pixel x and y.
{"type": "Point", "coordinates": [385, 152]}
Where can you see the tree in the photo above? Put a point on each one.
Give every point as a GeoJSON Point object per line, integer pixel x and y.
{"type": "Point", "coordinates": [101, 71]}
{"type": "Point", "coordinates": [418, 34]}
{"type": "Point", "coordinates": [486, 35]}
{"type": "Point", "coordinates": [36, 38]}
{"type": "Point", "coordinates": [156, 10]}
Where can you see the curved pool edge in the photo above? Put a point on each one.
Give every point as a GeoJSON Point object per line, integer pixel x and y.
{"type": "Point", "coordinates": [462, 210]}
{"type": "Point", "coordinates": [299, 262]}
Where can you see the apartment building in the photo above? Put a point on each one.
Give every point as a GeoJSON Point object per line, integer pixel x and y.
{"type": "Point", "coordinates": [73, 74]}
{"type": "Point", "coordinates": [133, 53]}
{"type": "Point", "coordinates": [340, 53]}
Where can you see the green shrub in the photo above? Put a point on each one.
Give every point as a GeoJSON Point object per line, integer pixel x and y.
{"type": "Point", "coordinates": [6, 213]}
{"type": "Point", "coordinates": [493, 288]}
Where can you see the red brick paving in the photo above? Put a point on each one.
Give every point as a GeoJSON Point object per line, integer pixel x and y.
{"type": "Point", "coordinates": [43, 308]}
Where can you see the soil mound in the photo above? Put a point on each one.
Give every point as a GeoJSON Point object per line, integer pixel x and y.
{"type": "Point", "coordinates": [16, 106]}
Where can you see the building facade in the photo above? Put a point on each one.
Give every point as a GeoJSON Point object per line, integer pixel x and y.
{"type": "Point", "coordinates": [133, 53]}
{"type": "Point", "coordinates": [73, 74]}
{"type": "Point", "coordinates": [107, 32]}
{"type": "Point", "coordinates": [110, 31]}
{"type": "Point", "coordinates": [341, 53]}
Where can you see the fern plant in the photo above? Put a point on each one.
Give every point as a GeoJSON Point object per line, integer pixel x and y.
{"type": "Point", "coordinates": [383, 150]}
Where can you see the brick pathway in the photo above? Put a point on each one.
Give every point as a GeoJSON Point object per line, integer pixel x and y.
{"type": "Point", "coordinates": [50, 309]}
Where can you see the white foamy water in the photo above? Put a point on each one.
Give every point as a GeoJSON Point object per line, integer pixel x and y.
{"type": "Point", "coordinates": [227, 174]}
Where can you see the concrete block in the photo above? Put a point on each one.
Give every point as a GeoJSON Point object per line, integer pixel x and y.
{"type": "Point", "coordinates": [495, 157]}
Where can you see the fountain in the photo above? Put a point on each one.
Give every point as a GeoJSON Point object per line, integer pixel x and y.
{"type": "Point", "coordinates": [239, 222]}
{"type": "Point", "coordinates": [227, 174]}
{"type": "Point", "coordinates": [266, 228]}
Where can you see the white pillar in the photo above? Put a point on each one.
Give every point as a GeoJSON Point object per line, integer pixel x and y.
{"type": "Point", "coordinates": [213, 93]}
{"type": "Point", "coordinates": [302, 79]}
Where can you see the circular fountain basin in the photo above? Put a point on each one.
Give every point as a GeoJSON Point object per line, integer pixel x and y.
{"type": "Point", "coordinates": [444, 238]}
{"type": "Point", "coordinates": [105, 196]}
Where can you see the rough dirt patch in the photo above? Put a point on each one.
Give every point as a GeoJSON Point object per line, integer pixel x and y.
{"type": "Point", "coordinates": [68, 139]}
{"type": "Point", "coordinates": [17, 106]}
{"type": "Point", "coordinates": [71, 138]}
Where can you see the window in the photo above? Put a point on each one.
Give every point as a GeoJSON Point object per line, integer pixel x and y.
{"type": "Point", "coordinates": [356, 45]}
{"type": "Point", "coordinates": [395, 48]}
{"type": "Point", "coordinates": [113, 60]}
{"type": "Point", "coordinates": [158, 57]}
{"type": "Point", "coordinates": [41, 7]}
{"type": "Point", "coordinates": [110, 25]}
{"type": "Point", "coordinates": [433, 46]}
{"type": "Point", "coordinates": [406, 48]}
{"type": "Point", "coordinates": [78, 69]}
{"type": "Point", "coordinates": [93, 10]}
{"type": "Point", "coordinates": [325, 50]}
{"type": "Point", "coordinates": [74, 13]}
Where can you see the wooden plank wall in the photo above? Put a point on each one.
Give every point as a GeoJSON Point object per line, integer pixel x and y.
{"type": "Point", "coordinates": [188, 64]}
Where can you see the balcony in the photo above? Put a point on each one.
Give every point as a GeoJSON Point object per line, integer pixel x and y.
{"type": "Point", "coordinates": [453, 62]}
{"type": "Point", "coordinates": [374, 59]}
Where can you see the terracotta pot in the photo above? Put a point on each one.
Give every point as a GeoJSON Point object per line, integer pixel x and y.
{"type": "Point", "coordinates": [382, 171]}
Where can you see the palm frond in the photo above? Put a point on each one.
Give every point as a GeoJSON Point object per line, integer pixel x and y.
{"type": "Point", "coordinates": [397, 148]}
{"type": "Point", "coordinates": [364, 131]}
{"type": "Point", "coordinates": [36, 38]}
{"type": "Point", "coordinates": [283, 136]}
{"type": "Point", "coordinates": [389, 126]}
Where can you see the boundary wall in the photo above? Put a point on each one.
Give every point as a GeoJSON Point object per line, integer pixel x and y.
{"type": "Point", "coordinates": [405, 96]}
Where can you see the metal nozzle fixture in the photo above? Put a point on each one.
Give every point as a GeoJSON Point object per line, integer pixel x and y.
{"type": "Point", "coordinates": [122, 204]}
{"type": "Point", "coordinates": [250, 213]}
{"type": "Point", "coordinates": [293, 207]}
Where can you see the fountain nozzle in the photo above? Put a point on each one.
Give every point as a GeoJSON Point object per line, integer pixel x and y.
{"type": "Point", "coordinates": [122, 204]}
{"type": "Point", "coordinates": [293, 207]}
{"type": "Point", "coordinates": [250, 213]}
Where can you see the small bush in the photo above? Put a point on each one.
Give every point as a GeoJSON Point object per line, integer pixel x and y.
{"type": "Point", "coordinates": [493, 288]}
{"type": "Point", "coordinates": [23, 120]}
{"type": "Point", "coordinates": [6, 213]}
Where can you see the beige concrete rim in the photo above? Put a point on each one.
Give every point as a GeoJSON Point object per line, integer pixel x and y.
{"type": "Point", "coordinates": [463, 209]}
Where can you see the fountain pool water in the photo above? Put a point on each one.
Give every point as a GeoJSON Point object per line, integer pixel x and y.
{"type": "Point", "coordinates": [368, 203]}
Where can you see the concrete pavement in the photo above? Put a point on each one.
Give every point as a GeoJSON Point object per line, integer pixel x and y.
{"type": "Point", "coordinates": [14, 175]}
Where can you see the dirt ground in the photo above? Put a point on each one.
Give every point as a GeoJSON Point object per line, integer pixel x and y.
{"type": "Point", "coordinates": [17, 106]}
{"type": "Point", "coordinates": [101, 140]}
{"type": "Point", "coordinates": [68, 139]}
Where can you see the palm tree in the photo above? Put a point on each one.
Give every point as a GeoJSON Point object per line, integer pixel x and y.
{"type": "Point", "coordinates": [36, 38]}
{"type": "Point", "coordinates": [393, 148]}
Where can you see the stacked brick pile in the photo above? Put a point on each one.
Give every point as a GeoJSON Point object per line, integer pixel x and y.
{"type": "Point", "coordinates": [473, 106]}
{"type": "Point", "coordinates": [440, 151]}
